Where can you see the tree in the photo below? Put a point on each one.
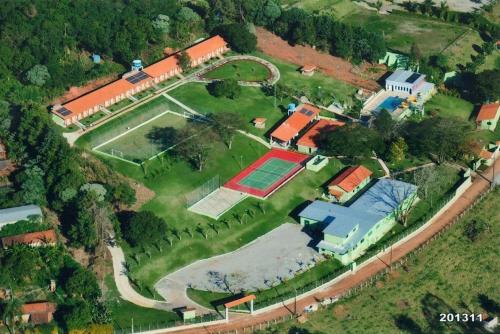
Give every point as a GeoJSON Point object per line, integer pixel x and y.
{"type": "Point", "coordinates": [226, 125]}
{"type": "Point", "coordinates": [38, 75]}
{"type": "Point", "coordinates": [197, 149]}
{"type": "Point", "coordinates": [83, 283]}
{"type": "Point", "coordinates": [442, 138]}
{"type": "Point", "coordinates": [238, 37]}
{"type": "Point", "coordinates": [144, 228]}
{"type": "Point", "coordinates": [398, 150]}
{"type": "Point", "coordinates": [484, 86]}
{"type": "Point", "coordinates": [32, 184]}
{"type": "Point", "coordinates": [352, 141]}
{"type": "Point", "coordinates": [82, 230]}
{"type": "Point", "coordinates": [384, 124]}
{"type": "Point", "coordinates": [162, 23]}
{"type": "Point", "coordinates": [185, 61]}
{"type": "Point", "coordinates": [378, 5]}
{"type": "Point", "coordinates": [75, 315]}
{"type": "Point", "coordinates": [228, 88]}
{"type": "Point", "coordinates": [10, 310]}
{"type": "Point", "coordinates": [124, 193]}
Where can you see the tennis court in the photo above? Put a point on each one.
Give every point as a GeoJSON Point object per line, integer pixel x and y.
{"type": "Point", "coordinates": [268, 173]}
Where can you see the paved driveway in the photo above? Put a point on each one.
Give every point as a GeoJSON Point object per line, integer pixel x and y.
{"type": "Point", "coordinates": [264, 262]}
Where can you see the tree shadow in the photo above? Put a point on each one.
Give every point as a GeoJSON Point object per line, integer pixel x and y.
{"type": "Point", "coordinates": [163, 137]}
{"type": "Point", "coordinates": [407, 324]}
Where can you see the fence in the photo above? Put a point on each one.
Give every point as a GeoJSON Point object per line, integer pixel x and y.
{"type": "Point", "coordinates": [203, 191]}
{"type": "Point", "coordinates": [151, 327]}
{"type": "Point", "coordinates": [259, 304]}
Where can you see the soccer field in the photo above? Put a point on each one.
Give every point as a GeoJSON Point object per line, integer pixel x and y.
{"type": "Point", "coordinates": [146, 140]}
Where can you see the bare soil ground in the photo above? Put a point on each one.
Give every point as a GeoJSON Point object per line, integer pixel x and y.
{"type": "Point", "coordinates": [335, 67]}
{"type": "Point", "coordinates": [142, 194]}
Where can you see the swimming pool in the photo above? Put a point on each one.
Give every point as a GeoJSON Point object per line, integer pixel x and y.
{"type": "Point", "coordinates": [390, 104]}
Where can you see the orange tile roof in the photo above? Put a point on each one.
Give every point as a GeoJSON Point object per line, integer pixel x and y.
{"type": "Point", "coordinates": [308, 139]}
{"type": "Point", "coordinates": [485, 154]}
{"type": "Point", "coordinates": [97, 97]}
{"type": "Point", "coordinates": [38, 307]}
{"type": "Point", "coordinates": [239, 301]}
{"type": "Point", "coordinates": [40, 312]}
{"type": "Point", "coordinates": [47, 237]}
{"type": "Point", "coordinates": [352, 177]}
{"type": "Point", "coordinates": [260, 120]}
{"type": "Point", "coordinates": [308, 67]}
{"type": "Point", "coordinates": [295, 123]}
{"type": "Point", "coordinates": [121, 86]}
{"type": "Point", "coordinates": [205, 47]}
{"type": "Point", "coordinates": [163, 66]}
{"type": "Point", "coordinates": [488, 111]}
{"type": "Point", "coordinates": [337, 193]}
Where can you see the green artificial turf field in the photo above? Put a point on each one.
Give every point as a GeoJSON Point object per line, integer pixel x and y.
{"type": "Point", "coordinates": [147, 140]}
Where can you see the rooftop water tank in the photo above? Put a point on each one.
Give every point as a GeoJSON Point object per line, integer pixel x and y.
{"type": "Point", "coordinates": [136, 64]}
{"type": "Point", "coordinates": [291, 107]}
{"type": "Point", "coordinates": [96, 58]}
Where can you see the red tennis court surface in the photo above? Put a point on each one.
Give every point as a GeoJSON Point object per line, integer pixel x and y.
{"type": "Point", "coordinates": [268, 173]}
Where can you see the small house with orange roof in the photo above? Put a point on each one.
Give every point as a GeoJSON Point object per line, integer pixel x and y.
{"type": "Point", "coordinates": [308, 143]}
{"type": "Point", "coordinates": [300, 118]}
{"type": "Point", "coordinates": [210, 48]}
{"type": "Point", "coordinates": [308, 69]}
{"type": "Point", "coordinates": [486, 155]}
{"type": "Point", "coordinates": [260, 122]}
{"type": "Point", "coordinates": [488, 116]}
{"type": "Point", "coordinates": [34, 239]}
{"type": "Point", "coordinates": [38, 313]}
{"type": "Point", "coordinates": [348, 183]}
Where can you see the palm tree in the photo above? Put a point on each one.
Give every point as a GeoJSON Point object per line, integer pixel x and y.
{"type": "Point", "coordinates": [443, 9]}
{"type": "Point", "coordinates": [188, 231]}
{"type": "Point", "coordinates": [214, 227]}
{"type": "Point", "coordinates": [176, 232]}
{"type": "Point", "coordinates": [238, 217]}
{"type": "Point", "coordinates": [227, 223]}
{"type": "Point", "coordinates": [201, 229]}
{"type": "Point", "coordinates": [261, 207]}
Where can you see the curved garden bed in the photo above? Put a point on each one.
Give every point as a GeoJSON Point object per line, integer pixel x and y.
{"type": "Point", "coordinates": [241, 70]}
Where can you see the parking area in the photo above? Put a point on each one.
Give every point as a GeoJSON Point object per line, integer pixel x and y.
{"type": "Point", "coordinates": [267, 261]}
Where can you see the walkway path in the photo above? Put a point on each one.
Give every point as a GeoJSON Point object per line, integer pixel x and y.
{"type": "Point", "coordinates": [366, 271]}
{"type": "Point", "coordinates": [122, 282]}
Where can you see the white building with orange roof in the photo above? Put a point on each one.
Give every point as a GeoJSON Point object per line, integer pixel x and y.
{"type": "Point", "coordinates": [300, 118]}
{"type": "Point", "coordinates": [134, 82]}
{"type": "Point", "coordinates": [348, 183]}
{"type": "Point", "coordinates": [308, 143]}
{"type": "Point", "coordinates": [488, 116]}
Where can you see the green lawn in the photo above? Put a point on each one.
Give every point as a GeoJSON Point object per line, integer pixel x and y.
{"type": "Point", "coordinates": [402, 30]}
{"type": "Point", "coordinates": [121, 104]}
{"type": "Point", "coordinates": [123, 122]}
{"type": "Point", "coordinates": [250, 104]}
{"type": "Point", "coordinates": [122, 311]}
{"type": "Point", "coordinates": [169, 203]}
{"type": "Point", "coordinates": [337, 8]}
{"type": "Point", "coordinates": [449, 276]}
{"type": "Point", "coordinates": [449, 106]}
{"type": "Point", "coordinates": [92, 118]}
{"type": "Point", "coordinates": [144, 142]}
{"type": "Point", "coordinates": [314, 275]}
{"type": "Point", "coordinates": [244, 70]}
{"type": "Point", "coordinates": [318, 87]}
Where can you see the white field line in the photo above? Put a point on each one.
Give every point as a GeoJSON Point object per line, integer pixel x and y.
{"type": "Point", "coordinates": [130, 130]}
{"type": "Point", "coordinates": [115, 157]}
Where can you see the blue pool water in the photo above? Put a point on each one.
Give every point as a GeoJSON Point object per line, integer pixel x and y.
{"type": "Point", "coordinates": [390, 104]}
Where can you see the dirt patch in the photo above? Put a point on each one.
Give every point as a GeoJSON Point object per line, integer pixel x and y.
{"type": "Point", "coordinates": [334, 67]}
{"type": "Point", "coordinates": [340, 312]}
{"type": "Point", "coordinates": [412, 28]}
{"type": "Point", "coordinates": [402, 304]}
{"type": "Point", "coordinates": [379, 284]}
{"type": "Point", "coordinates": [75, 92]}
{"type": "Point", "coordinates": [393, 275]}
{"type": "Point", "coordinates": [142, 194]}
{"type": "Point", "coordinates": [80, 256]}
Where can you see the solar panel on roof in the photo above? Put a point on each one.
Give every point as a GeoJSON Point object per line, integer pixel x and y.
{"type": "Point", "coordinates": [63, 111]}
{"type": "Point", "coordinates": [306, 112]}
{"type": "Point", "coordinates": [133, 79]}
{"type": "Point", "coordinates": [412, 78]}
